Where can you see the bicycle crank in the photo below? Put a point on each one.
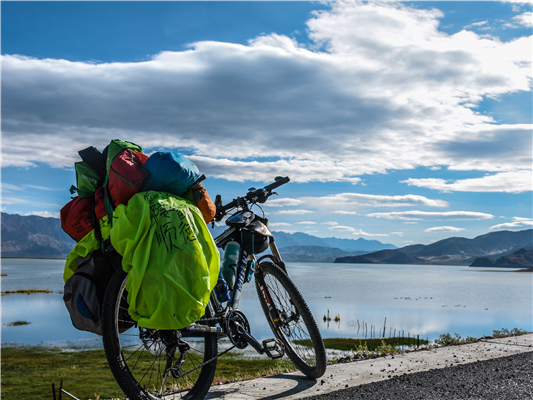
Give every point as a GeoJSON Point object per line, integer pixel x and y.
{"type": "Point", "coordinates": [238, 330]}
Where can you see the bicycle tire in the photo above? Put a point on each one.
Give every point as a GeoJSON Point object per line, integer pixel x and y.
{"type": "Point", "coordinates": [138, 363]}
{"type": "Point", "coordinates": [291, 320]}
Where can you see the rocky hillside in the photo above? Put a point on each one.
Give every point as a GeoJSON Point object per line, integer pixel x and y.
{"type": "Point", "coordinates": [34, 237]}
{"type": "Point", "coordinates": [451, 251]}
{"type": "Point", "coordinates": [519, 259]}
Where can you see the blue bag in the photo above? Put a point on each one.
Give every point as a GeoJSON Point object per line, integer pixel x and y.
{"type": "Point", "coordinates": [170, 172]}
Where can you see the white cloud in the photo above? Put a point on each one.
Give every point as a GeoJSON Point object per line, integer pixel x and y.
{"type": "Point", "coordinates": [306, 223]}
{"type": "Point", "coordinates": [397, 99]}
{"type": "Point", "coordinates": [341, 228]}
{"type": "Point", "coordinates": [397, 233]}
{"type": "Point", "coordinates": [278, 224]}
{"type": "Point", "coordinates": [295, 212]}
{"type": "Point", "coordinates": [345, 212]}
{"type": "Point", "coordinates": [347, 201]}
{"type": "Point", "coordinates": [518, 222]}
{"type": "Point", "coordinates": [330, 223]}
{"type": "Point", "coordinates": [10, 188]}
{"type": "Point", "coordinates": [357, 232]}
{"type": "Point", "coordinates": [13, 200]}
{"type": "Point", "coordinates": [48, 189]}
{"type": "Point", "coordinates": [285, 202]}
{"type": "Point", "coordinates": [509, 182]}
{"type": "Point", "coordinates": [433, 216]}
{"type": "Point", "coordinates": [285, 230]}
{"type": "Point", "coordinates": [477, 24]}
{"type": "Point", "coordinates": [444, 229]}
{"type": "Point", "coordinates": [45, 214]}
{"type": "Point", "coordinates": [525, 19]}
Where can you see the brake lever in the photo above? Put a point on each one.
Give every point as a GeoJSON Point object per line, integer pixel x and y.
{"type": "Point", "coordinates": [219, 210]}
{"type": "Point", "coordinates": [264, 196]}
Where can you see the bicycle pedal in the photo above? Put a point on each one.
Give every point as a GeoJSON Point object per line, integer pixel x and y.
{"type": "Point", "coordinates": [273, 348]}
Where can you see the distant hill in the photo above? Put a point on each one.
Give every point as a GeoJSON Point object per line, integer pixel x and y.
{"type": "Point", "coordinates": [451, 251]}
{"type": "Point", "coordinates": [284, 239]}
{"type": "Point", "coordinates": [302, 247]}
{"type": "Point", "coordinates": [314, 253]}
{"type": "Point", "coordinates": [34, 237]}
{"type": "Point", "coordinates": [519, 259]}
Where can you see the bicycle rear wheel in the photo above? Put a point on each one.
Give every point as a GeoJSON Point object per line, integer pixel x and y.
{"type": "Point", "coordinates": [146, 362]}
{"type": "Point", "coordinates": [290, 319]}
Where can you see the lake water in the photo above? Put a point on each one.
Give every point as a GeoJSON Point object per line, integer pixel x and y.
{"type": "Point", "coordinates": [419, 300]}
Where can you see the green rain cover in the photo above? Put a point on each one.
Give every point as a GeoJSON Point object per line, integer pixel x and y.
{"type": "Point", "coordinates": [170, 257]}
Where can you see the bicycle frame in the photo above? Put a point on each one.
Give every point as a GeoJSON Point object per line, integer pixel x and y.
{"type": "Point", "coordinates": [221, 241]}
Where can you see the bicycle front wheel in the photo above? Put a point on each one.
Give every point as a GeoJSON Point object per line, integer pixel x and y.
{"type": "Point", "coordinates": [290, 319]}
{"type": "Point", "coordinates": [150, 363]}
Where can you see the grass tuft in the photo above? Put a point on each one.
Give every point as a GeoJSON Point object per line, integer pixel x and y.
{"type": "Point", "coordinates": [348, 344]}
{"type": "Point", "coordinates": [17, 323]}
{"type": "Point", "coordinates": [26, 291]}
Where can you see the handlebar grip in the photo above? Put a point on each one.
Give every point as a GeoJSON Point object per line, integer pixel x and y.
{"type": "Point", "coordinates": [230, 205]}
{"type": "Point", "coordinates": [278, 183]}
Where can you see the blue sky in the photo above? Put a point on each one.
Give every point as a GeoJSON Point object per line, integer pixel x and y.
{"type": "Point", "coordinates": [401, 122]}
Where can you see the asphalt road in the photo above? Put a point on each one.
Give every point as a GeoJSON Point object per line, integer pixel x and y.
{"type": "Point", "coordinates": [487, 369]}
{"type": "Point", "coordinates": [506, 378]}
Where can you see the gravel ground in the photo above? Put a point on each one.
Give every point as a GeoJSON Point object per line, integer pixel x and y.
{"type": "Point", "coordinates": [506, 378]}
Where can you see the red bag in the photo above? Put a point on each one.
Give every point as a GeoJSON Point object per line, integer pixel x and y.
{"type": "Point", "coordinates": [99, 204]}
{"type": "Point", "coordinates": [126, 176]}
{"type": "Point", "coordinates": [77, 217]}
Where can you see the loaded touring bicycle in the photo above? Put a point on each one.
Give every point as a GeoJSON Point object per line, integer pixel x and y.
{"type": "Point", "coordinates": [181, 363]}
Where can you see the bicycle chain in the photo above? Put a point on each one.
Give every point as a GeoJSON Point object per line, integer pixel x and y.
{"type": "Point", "coordinates": [205, 363]}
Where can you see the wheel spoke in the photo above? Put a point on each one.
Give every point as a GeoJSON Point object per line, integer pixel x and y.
{"type": "Point", "coordinates": [296, 327]}
{"type": "Point", "coordinates": [144, 353]}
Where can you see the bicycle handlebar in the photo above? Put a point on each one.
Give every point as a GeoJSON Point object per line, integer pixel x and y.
{"type": "Point", "coordinates": [255, 196]}
{"type": "Point", "coordinates": [279, 181]}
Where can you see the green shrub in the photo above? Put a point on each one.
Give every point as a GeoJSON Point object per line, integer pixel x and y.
{"type": "Point", "coordinates": [518, 332]}
{"type": "Point", "coordinates": [385, 348]}
{"type": "Point", "coordinates": [447, 340]}
{"type": "Point", "coordinates": [361, 350]}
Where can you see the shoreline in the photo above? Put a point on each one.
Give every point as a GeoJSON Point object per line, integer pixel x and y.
{"type": "Point", "coordinates": [485, 268]}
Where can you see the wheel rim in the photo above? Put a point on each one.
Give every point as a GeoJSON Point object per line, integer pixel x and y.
{"type": "Point", "coordinates": [154, 358]}
{"type": "Point", "coordinates": [291, 326]}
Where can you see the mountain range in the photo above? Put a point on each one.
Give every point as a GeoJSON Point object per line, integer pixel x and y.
{"type": "Point", "coordinates": [39, 237]}
{"type": "Point", "coordinates": [458, 251]}
{"type": "Point", "coordinates": [302, 247]}
{"type": "Point", "coordinates": [34, 237]}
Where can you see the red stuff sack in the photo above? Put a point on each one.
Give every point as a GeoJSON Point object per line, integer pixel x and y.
{"type": "Point", "coordinates": [99, 203]}
{"type": "Point", "coordinates": [126, 176]}
{"type": "Point", "coordinates": [77, 217]}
